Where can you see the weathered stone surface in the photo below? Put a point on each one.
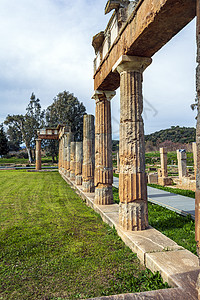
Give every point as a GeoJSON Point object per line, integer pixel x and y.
{"type": "Point", "coordinates": [103, 148]}
{"type": "Point", "coordinates": [133, 216]}
{"type": "Point", "coordinates": [182, 164]}
{"type": "Point", "coordinates": [79, 161]}
{"type": "Point", "coordinates": [153, 178]}
{"type": "Point", "coordinates": [72, 160]}
{"type": "Point", "coordinates": [163, 161]}
{"type": "Point", "coordinates": [132, 177]}
{"type": "Point", "coordinates": [88, 153]}
{"type": "Point", "coordinates": [38, 164]}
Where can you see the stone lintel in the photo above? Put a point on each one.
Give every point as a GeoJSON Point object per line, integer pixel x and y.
{"type": "Point", "coordinates": [98, 94]}
{"type": "Point", "coordinates": [131, 63]}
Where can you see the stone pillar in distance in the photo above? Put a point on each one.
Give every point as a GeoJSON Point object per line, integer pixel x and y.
{"type": "Point", "coordinates": [103, 177]}
{"type": "Point", "coordinates": [118, 162]}
{"type": "Point", "coordinates": [163, 179]}
{"type": "Point", "coordinates": [72, 160]}
{"type": "Point", "coordinates": [133, 212]}
{"type": "Point", "coordinates": [88, 154]}
{"type": "Point", "coordinates": [38, 164]}
{"type": "Point", "coordinates": [79, 161]}
{"type": "Point", "coordinates": [182, 164]}
{"type": "Point", "coordinates": [194, 150]}
{"type": "Point", "coordinates": [70, 138]}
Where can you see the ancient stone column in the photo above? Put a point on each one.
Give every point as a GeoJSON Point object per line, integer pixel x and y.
{"type": "Point", "coordinates": [103, 178]}
{"type": "Point", "coordinates": [70, 138]}
{"type": "Point", "coordinates": [197, 194]}
{"type": "Point", "coordinates": [194, 149]}
{"type": "Point", "coordinates": [88, 154]}
{"type": "Point", "coordinates": [79, 162]}
{"type": "Point", "coordinates": [133, 213]}
{"type": "Point", "coordinates": [72, 160]}
{"type": "Point", "coordinates": [38, 164]}
{"type": "Point", "coordinates": [182, 164]}
{"type": "Point", "coordinates": [163, 175]}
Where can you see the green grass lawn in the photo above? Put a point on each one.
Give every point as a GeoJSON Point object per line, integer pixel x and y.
{"type": "Point", "coordinates": [52, 246]}
{"type": "Point", "coordinates": [178, 228]}
{"type": "Point", "coordinates": [22, 161]}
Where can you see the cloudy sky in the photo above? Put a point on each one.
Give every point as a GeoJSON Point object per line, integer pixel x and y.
{"type": "Point", "coordinates": [46, 49]}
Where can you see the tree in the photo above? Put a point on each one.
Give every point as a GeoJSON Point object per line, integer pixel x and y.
{"type": "Point", "coordinates": [26, 125]}
{"type": "Point", "coordinates": [66, 110]}
{"type": "Point", "coordinates": [3, 142]}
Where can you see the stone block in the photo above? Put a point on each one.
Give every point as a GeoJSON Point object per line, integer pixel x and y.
{"type": "Point", "coordinates": [153, 178]}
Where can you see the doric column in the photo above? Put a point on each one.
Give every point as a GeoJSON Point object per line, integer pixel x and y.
{"type": "Point", "coordinates": [103, 178]}
{"type": "Point", "coordinates": [79, 161]}
{"type": "Point", "coordinates": [133, 213]}
{"type": "Point", "coordinates": [72, 160]}
{"type": "Point", "coordinates": [194, 150]}
{"type": "Point", "coordinates": [38, 165]}
{"type": "Point", "coordinates": [197, 194]}
{"type": "Point", "coordinates": [70, 138]}
{"type": "Point", "coordinates": [88, 154]}
{"type": "Point", "coordinates": [182, 163]}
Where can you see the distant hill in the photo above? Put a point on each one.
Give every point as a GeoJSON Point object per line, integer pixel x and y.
{"type": "Point", "coordinates": [175, 134]}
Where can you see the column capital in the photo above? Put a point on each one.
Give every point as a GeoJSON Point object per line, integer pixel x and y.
{"type": "Point", "coordinates": [131, 63]}
{"type": "Point", "coordinates": [38, 140]}
{"type": "Point", "coordinates": [98, 94]}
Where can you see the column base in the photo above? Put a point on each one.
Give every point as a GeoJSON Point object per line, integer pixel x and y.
{"type": "Point", "coordinates": [72, 176]}
{"type": "Point", "coordinates": [68, 173]}
{"type": "Point", "coordinates": [103, 196]}
{"type": "Point", "coordinates": [88, 186]}
{"type": "Point", "coordinates": [78, 180]}
{"type": "Point", "coordinates": [133, 216]}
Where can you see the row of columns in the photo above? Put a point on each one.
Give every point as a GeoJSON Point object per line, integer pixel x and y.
{"type": "Point", "coordinates": [76, 159]}
{"type": "Point", "coordinates": [94, 170]}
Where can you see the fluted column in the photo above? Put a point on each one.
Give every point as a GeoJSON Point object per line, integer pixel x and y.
{"type": "Point", "coordinates": [79, 161]}
{"type": "Point", "coordinates": [38, 164]}
{"type": "Point", "coordinates": [88, 154]}
{"type": "Point", "coordinates": [70, 138]}
{"type": "Point", "coordinates": [133, 213]}
{"type": "Point", "coordinates": [103, 148]}
{"type": "Point", "coordinates": [72, 160]}
{"type": "Point", "coordinates": [197, 194]}
{"type": "Point", "coordinates": [163, 177]}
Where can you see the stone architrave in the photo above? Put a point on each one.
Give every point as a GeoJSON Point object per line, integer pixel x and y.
{"type": "Point", "coordinates": [72, 160]}
{"type": "Point", "coordinates": [103, 178]}
{"type": "Point", "coordinates": [70, 138]}
{"type": "Point", "coordinates": [88, 154]}
{"type": "Point", "coordinates": [194, 149]}
{"type": "Point", "coordinates": [79, 162]}
{"type": "Point", "coordinates": [197, 194]}
{"type": "Point", "coordinates": [133, 212]}
{"type": "Point", "coordinates": [38, 164]}
{"type": "Point", "coordinates": [182, 163]}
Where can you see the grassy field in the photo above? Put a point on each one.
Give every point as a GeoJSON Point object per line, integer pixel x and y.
{"type": "Point", "coordinates": [52, 246]}
{"type": "Point", "coordinates": [22, 161]}
{"type": "Point", "coordinates": [178, 228]}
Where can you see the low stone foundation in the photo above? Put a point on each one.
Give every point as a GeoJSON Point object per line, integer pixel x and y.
{"type": "Point", "coordinates": [133, 216]}
{"type": "Point", "coordinates": [165, 181]}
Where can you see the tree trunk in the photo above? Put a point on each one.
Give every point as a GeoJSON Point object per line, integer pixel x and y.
{"type": "Point", "coordinates": [29, 155]}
